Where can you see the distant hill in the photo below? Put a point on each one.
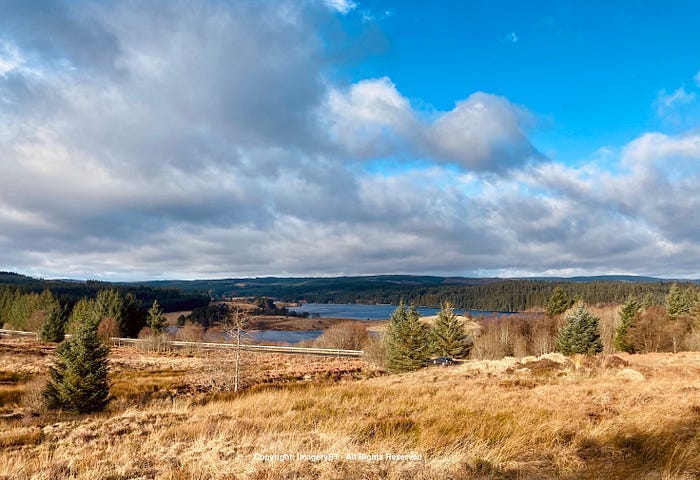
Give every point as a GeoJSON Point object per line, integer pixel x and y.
{"type": "Point", "coordinates": [298, 288]}
{"type": "Point", "coordinates": [470, 293]}
{"type": "Point", "coordinates": [70, 291]}
{"type": "Point", "coordinates": [604, 278]}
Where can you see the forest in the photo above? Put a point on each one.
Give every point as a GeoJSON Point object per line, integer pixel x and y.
{"type": "Point", "coordinates": [26, 302]}
{"type": "Point", "coordinates": [493, 294]}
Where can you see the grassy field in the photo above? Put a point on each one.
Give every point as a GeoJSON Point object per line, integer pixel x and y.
{"type": "Point", "coordinates": [173, 417]}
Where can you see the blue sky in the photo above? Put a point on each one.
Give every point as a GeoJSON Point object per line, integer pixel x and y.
{"type": "Point", "coordinates": [217, 138]}
{"type": "Point", "coordinates": [591, 71]}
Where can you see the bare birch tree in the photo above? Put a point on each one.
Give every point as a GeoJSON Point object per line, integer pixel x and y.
{"type": "Point", "coordinates": [236, 325]}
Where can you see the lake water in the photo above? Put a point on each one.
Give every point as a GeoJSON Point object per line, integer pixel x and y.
{"type": "Point", "coordinates": [267, 336]}
{"type": "Point", "coordinates": [369, 312]}
{"type": "Point", "coordinates": [337, 310]}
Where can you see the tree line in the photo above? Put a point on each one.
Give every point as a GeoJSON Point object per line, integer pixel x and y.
{"type": "Point", "coordinates": [507, 295]}
{"type": "Point", "coordinates": [21, 308]}
{"type": "Point", "coordinates": [69, 292]}
{"type": "Point", "coordinates": [471, 294]}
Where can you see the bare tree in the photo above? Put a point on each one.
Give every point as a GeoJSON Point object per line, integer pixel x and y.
{"type": "Point", "coordinates": [236, 324]}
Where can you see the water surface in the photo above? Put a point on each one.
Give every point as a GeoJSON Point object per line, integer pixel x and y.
{"type": "Point", "coordinates": [369, 312]}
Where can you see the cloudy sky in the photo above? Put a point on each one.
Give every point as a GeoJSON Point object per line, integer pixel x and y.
{"type": "Point", "coordinates": [202, 139]}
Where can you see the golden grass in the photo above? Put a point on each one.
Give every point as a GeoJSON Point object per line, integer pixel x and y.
{"type": "Point", "coordinates": [630, 416]}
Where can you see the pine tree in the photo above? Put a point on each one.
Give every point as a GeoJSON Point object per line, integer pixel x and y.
{"type": "Point", "coordinates": [627, 314]}
{"type": "Point", "coordinates": [559, 302]}
{"type": "Point", "coordinates": [110, 304]}
{"type": "Point", "coordinates": [679, 301]}
{"type": "Point", "coordinates": [54, 326]}
{"type": "Point", "coordinates": [83, 313]}
{"type": "Point", "coordinates": [580, 334]}
{"type": "Point", "coordinates": [449, 335]}
{"type": "Point", "coordinates": [156, 319]}
{"type": "Point", "coordinates": [407, 340]}
{"type": "Point", "coordinates": [135, 316]}
{"type": "Point", "coordinates": [648, 301]}
{"type": "Point", "coordinates": [79, 381]}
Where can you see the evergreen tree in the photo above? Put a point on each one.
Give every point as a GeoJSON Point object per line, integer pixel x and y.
{"type": "Point", "coordinates": [109, 303]}
{"type": "Point", "coordinates": [680, 301]}
{"type": "Point", "coordinates": [79, 381]}
{"type": "Point", "coordinates": [580, 334]}
{"type": "Point", "coordinates": [559, 302]}
{"type": "Point", "coordinates": [135, 316]}
{"type": "Point", "coordinates": [648, 301]}
{"type": "Point", "coordinates": [407, 340]}
{"type": "Point", "coordinates": [628, 312]}
{"type": "Point", "coordinates": [449, 335]}
{"type": "Point", "coordinates": [54, 326]}
{"type": "Point", "coordinates": [156, 319]}
{"type": "Point", "coordinates": [83, 313]}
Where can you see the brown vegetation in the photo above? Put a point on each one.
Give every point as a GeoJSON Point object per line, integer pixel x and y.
{"type": "Point", "coordinates": [346, 336]}
{"type": "Point", "coordinates": [515, 336]}
{"type": "Point", "coordinates": [291, 324]}
{"type": "Point", "coordinates": [621, 416]}
{"type": "Point", "coordinates": [108, 328]}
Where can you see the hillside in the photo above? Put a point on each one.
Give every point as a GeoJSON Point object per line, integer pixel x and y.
{"type": "Point", "coordinates": [70, 291]}
{"type": "Point", "coordinates": [491, 294]}
{"type": "Point", "coordinates": [626, 416]}
{"type": "Point", "coordinates": [468, 293]}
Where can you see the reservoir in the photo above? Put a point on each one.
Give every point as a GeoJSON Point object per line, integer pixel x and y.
{"type": "Point", "coordinates": [274, 336]}
{"type": "Point", "coordinates": [370, 312]}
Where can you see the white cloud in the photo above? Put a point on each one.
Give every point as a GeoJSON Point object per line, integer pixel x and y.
{"type": "Point", "coordinates": [368, 118]}
{"type": "Point", "coordinates": [661, 149]}
{"type": "Point", "coordinates": [372, 16]}
{"type": "Point", "coordinates": [342, 6]}
{"type": "Point", "coordinates": [10, 58]}
{"type": "Point", "coordinates": [667, 103]}
{"type": "Point", "coordinates": [153, 150]}
{"type": "Point", "coordinates": [482, 132]}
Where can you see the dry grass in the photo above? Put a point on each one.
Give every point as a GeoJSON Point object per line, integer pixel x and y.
{"type": "Point", "coordinates": [628, 416]}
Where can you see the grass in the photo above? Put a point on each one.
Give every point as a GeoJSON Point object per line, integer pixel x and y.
{"type": "Point", "coordinates": [630, 416]}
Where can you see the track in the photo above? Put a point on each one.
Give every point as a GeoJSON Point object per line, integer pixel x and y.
{"type": "Point", "coordinates": [325, 352]}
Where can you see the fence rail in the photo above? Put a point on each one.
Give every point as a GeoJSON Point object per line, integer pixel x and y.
{"type": "Point", "coordinates": [327, 352]}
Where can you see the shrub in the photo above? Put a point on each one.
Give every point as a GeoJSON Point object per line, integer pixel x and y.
{"type": "Point", "coordinates": [580, 334]}
{"type": "Point", "coordinates": [374, 350]}
{"type": "Point", "coordinates": [108, 328]}
{"type": "Point", "coordinates": [191, 332]}
{"type": "Point", "coordinates": [345, 336]}
{"type": "Point", "coordinates": [655, 331]}
{"type": "Point", "coordinates": [151, 341]}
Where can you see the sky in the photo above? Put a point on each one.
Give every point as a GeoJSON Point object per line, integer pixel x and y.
{"type": "Point", "coordinates": [214, 138]}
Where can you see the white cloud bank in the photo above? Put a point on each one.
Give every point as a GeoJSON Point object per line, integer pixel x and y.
{"type": "Point", "coordinates": [483, 132]}
{"type": "Point", "coordinates": [161, 140]}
